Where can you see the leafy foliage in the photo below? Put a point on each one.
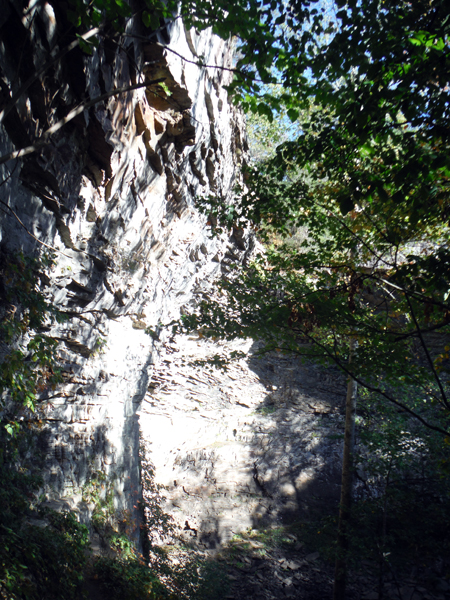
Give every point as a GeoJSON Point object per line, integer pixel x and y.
{"type": "Point", "coordinates": [127, 577]}
{"type": "Point", "coordinates": [400, 517]}
{"type": "Point", "coordinates": [28, 367]}
{"type": "Point", "coordinates": [266, 132]}
{"type": "Point", "coordinates": [367, 180]}
{"type": "Point", "coordinates": [97, 491]}
{"type": "Point", "coordinates": [404, 487]}
{"type": "Point", "coordinates": [35, 547]}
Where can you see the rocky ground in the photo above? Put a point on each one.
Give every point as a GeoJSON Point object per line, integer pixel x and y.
{"type": "Point", "coordinates": [248, 458]}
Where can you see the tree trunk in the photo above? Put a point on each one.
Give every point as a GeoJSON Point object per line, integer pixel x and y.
{"type": "Point", "coordinates": [340, 574]}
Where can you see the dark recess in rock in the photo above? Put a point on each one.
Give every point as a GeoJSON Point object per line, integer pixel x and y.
{"type": "Point", "coordinates": [98, 148]}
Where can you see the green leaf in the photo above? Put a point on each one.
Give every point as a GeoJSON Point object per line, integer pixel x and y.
{"type": "Point", "coordinates": [10, 429]}
{"type": "Point", "coordinates": [293, 114]}
{"type": "Point", "coordinates": [85, 47]}
{"type": "Point", "coordinates": [123, 8]}
{"type": "Point", "coordinates": [265, 110]}
{"type": "Point", "coordinates": [151, 20]}
{"type": "Point", "coordinates": [73, 17]}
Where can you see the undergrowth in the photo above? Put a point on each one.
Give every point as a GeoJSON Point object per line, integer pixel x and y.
{"type": "Point", "coordinates": [42, 552]}
{"type": "Point", "coordinates": [47, 555]}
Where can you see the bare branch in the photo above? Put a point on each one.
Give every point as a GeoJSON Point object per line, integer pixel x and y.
{"type": "Point", "coordinates": [14, 214]}
{"type": "Point", "coordinates": [415, 294]}
{"type": "Point", "coordinates": [371, 388]}
{"type": "Point", "coordinates": [198, 63]}
{"type": "Point", "coordinates": [430, 361]}
{"type": "Point", "coordinates": [24, 87]}
{"type": "Point", "coordinates": [72, 114]}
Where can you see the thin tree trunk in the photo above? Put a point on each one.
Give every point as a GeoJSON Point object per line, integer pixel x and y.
{"type": "Point", "coordinates": [340, 573]}
{"type": "Point", "coordinates": [381, 548]}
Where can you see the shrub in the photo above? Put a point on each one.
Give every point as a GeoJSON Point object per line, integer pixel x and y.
{"type": "Point", "coordinates": [127, 578]}
{"type": "Point", "coordinates": [39, 558]}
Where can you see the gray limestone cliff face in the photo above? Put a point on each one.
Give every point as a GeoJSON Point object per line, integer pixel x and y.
{"type": "Point", "coordinates": [113, 193]}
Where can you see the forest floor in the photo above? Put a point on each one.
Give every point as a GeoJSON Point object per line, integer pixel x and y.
{"type": "Point", "coordinates": [249, 459]}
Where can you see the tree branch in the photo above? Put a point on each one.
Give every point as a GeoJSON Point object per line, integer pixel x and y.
{"type": "Point", "coordinates": [72, 114]}
{"type": "Point", "coordinates": [371, 388]}
{"type": "Point", "coordinates": [430, 361]}
{"type": "Point", "coordinates": [23, 88]}
{"type": "Point", "coordinates": [29, 232]}
{"type": "Point", "coordinates": [414, 294]}
{"type": "Point", "coordinates": [197, 63]}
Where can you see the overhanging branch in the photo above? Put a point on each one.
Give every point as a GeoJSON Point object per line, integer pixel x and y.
{"type": "Point", "coordinates": [24, 87]}
{"type": "Point", "coordinates": [374, 389]}
{"type": "Point", "coordinates": [72, 114]}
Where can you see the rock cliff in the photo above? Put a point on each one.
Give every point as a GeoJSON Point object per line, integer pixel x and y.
{"type": "Point", "coordinates": [111, 195]}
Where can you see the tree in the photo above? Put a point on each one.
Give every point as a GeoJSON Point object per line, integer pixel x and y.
{"type": "Point", "coordinates": [368, 180]}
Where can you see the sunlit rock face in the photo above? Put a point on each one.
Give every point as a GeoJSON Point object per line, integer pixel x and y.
{"type": "Point", "coordinates": [113, 194]}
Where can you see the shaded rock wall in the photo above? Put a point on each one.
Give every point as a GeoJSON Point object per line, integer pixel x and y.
{"type": "Point", "coordinates": [113, 194]}
{"type": "Point", "coordinates": [256, 447]}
